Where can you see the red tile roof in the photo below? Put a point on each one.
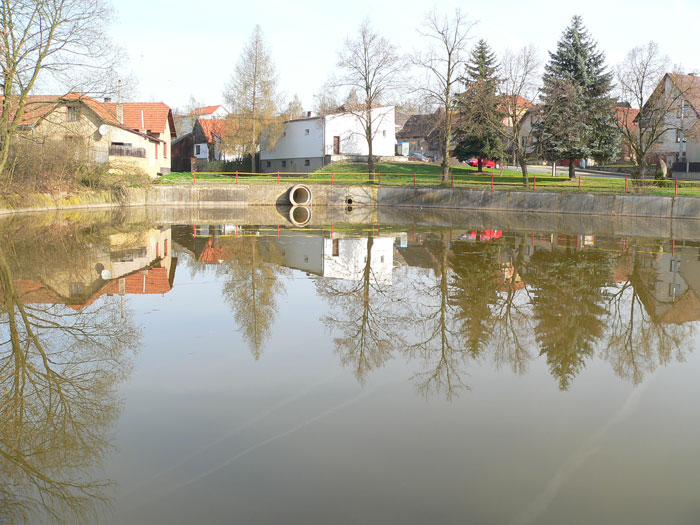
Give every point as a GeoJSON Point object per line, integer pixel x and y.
{"type": "Point", "coordinates": [206, 110]}
{"type": "Point", "coordinates": [212, 127]}
{"type": "Point", "coordinates": [38, 107]}
{"type": "Point", "coordinates": [155, 116]}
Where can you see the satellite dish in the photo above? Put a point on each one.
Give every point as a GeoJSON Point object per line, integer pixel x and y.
{"type": "Point", "coordinates": [106, 275]}
{"type": "Point", "coordinates": [103, 129]}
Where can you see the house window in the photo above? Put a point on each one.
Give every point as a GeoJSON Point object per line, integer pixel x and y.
{"type": "Point", "coordinates": [306, 132]}
{"type": "Point", "coordinates": [73, 113]}
{"type": "Point", "coordinates": [383, 133]}
{"type": "Point", "coordinates": [197, 149]}
{"type": "Point", "coordinates": [679, 135]}
{"type": "Point", "coordinates": [284, 133]}
{"type": "Point", "coordinates": [73, 140]}
{"type": "Point", "coordinates": [674, 290]}
{"type": "Point", "coordinates": [307, 162]}
{"type": "Point", "coordinates": [156, 148]}
{"type": "Point", "coordinates": [268, 164]}
{"type": "Point", "coordinates": [284, 163]}
{"type": "Point", "coordinates": [165, 150]}
{"type": "Point", "coordinates": [675, 266]}
{"type": "Point", "coordinates": [165, 248]}
{"type": "Point", "coordinates": [336, 247]}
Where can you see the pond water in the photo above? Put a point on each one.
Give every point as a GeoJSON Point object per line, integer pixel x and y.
{"type": "Point", "coordinates": [157, 372]}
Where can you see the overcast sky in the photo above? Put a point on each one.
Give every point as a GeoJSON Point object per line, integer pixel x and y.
{"type": "Point", "coordinates": [177, 48]}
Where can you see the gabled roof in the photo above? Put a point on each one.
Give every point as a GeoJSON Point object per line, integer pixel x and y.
{"type": "Point", "coordinates": [212, 127]}
{"type": "Point", "coordinates": [149, 116]}
{"type": "Point", "coordinates": [38, 107]}
{"type": "Point", "coordinates": [419, 126]}
{"type": "Point", "coordinates": [206, 110]}
{"type": "Point", "coordinates": [689, 85]}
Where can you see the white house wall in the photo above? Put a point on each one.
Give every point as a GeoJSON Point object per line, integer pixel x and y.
{"type": "Point", "coordinates": [351, 132]}
{"type": "Point", "coordinates": [295, 143]}
{"type": "Point", "coordinates": [350, 262]}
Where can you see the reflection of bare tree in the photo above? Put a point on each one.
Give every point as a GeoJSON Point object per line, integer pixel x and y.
{"type": "Point", "coordinates": [439, 339]}
{"type": "Point", "coordinates": [252, 286]}
{"type": "Point", "coordinates": [366, 316]}
{"type": "Point", "coordinates": [637, 343]}
{"type": "Point", "coordinates": [58, 373]}
{"type": "Point", "coordinates": [512, 318]}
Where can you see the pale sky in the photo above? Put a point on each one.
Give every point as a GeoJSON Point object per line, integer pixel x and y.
{"type": "Point", "coordinates": [177, 48]}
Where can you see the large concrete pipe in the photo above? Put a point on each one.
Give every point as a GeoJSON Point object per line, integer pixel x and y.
{"type": "Point", "coordinates": [300, 215]}
{"type": "Point", "coordinates": [300, 195]}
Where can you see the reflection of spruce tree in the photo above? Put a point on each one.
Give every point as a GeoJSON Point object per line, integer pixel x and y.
{"type": "Point", "coordinates": [366, 316]}
{"type": "Point", "coordinates": [638, 340]}
{"type": "Point", "coordinates": [568, 307]}
{"type": "Point", "coordinates": [474, 291]}
{"type": "Point", "coordinates": [251, 288]}
{"type": "Point", "coordinates": [58, 373]}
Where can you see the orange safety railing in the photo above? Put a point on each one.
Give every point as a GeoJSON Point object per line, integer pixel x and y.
{"type": "Point", "coordinates": [488, 180]}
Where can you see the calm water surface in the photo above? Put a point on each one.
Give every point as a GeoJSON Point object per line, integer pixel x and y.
{"type": "Point", "coordinates": [219, 373]}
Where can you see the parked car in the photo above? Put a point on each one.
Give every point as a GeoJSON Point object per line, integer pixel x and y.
{"type": "Point", "coordinates": [486, 163]}
{"type": "Point", "coordinates": [418, 157]}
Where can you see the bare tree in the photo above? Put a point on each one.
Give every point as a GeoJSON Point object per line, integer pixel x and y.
{"type": "Point", "coordinates": [518, 87]}
{"type": "Point", "coordinates": [61, 42]}
{"type": "Point", "coordinates": [251, 94]}
{"type": "Point", "coordinates": [444, 61]}
{"type": "Point", "coordinates": [371, 67]}
{"type": "Point", "coordinates": [641, 81]}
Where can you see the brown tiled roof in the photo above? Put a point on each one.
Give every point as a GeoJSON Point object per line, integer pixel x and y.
{"type": "Point", "coordinates": [206, 110]}
{"type": "Point", "coordinates": [155, 116]}
{"type": "Point", "coordinates": [419, 126]}
{"type": "Point", "coordinates": [39, 107]}
{"type": "Point", "coordinates": [212, 127]}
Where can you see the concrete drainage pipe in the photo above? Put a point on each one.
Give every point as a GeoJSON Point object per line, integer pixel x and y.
{"type": "Point", "coordinates": [300, 215]}
{"type": "Point", "coordinates": [300, 195]}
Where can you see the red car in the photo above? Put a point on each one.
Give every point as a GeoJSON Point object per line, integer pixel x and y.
{"type": "Point", "coordinates": [486, 163]}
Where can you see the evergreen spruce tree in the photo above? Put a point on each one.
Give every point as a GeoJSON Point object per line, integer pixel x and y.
{"type": "Point", "coordinates": [576, 115]}
{"type": "Point", "coordinates": [480, 116]}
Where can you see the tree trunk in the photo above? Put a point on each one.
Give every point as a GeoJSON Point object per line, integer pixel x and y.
{"type": "Point", "coordinates": [572, 169]}
{"type": "Point", "coordinates": [523, 167]}
{"type": "Point", "coordinates": [445, 151]}
{"type": "Point", "coordinates": [370, 149]}
{"type": "Point", "coordinates": [480, 165]}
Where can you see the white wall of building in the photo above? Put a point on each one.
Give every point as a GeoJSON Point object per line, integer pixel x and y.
{"type": "Point", "coordinates": [314, 137]}
{"type": "Point", "coordinates": [352, 136]}
{"type": "Point", "coordinates": [301, 138]}
{"type": "Point", "coordinates": [349, 263]}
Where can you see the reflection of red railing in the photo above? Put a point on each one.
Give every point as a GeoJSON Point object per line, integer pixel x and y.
{"type": "Point", "coordinates": [488, 180]}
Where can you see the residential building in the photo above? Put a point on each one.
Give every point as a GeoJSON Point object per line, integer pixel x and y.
{"type": "Point", "coordinates": [135, 133]}
{"type": "Point", "coordinates": [422, 134]}
{"type": "Point", "coordinates": [210, 112]}
{"type": "Point", "coordinates": [311, 142]}
{"type": "Point", "coordinates": [680, 143]}
{"type": "Point", "coordinates": [155, 119]}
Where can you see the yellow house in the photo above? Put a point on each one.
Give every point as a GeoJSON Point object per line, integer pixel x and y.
{"type": "Point", "coordinates": [102, 130]}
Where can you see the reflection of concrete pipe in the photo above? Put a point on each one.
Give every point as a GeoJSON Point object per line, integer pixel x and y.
{"type": "Point", "coordinates": [300, 195]}
{"type": "Point", "coordinates": [300, 215]}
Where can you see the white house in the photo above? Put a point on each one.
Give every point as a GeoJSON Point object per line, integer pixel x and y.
{"type": "Point", "coordinates": [311, 142]}
{"type": "Point", "coordinates": [210, 112]}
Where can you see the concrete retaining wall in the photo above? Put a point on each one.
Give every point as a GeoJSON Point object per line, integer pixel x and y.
{"type": "Point", "coordinates": [243, 196]}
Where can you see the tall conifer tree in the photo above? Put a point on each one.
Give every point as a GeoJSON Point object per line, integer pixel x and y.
{"type": "Point", "coordinates": [480, 117]}
{"type": "Point", "coordinates": [577, 117]}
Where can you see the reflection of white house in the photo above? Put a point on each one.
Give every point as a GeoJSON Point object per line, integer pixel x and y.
{"type": "Point", "coordinates": [338, 258]}
{"type": "Point", "coordinates": [311, 142]}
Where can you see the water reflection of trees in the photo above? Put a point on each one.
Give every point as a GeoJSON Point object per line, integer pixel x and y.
{"type": "Point", "coordinates": [366, 317]}
{"type": "Point", "coordinates": [59, 369]}
{"type": "Point", "coordinates": [252, 286]}
{"type": "Point", "coordinates": [637, 343]}
{"type": "Point", "coordinates": [507, 303]}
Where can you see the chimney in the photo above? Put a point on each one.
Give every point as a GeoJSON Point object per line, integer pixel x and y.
{"type": "Point", "coordinates": [143, 126]}
{"type": "Point", "coordinates": [120, 113]}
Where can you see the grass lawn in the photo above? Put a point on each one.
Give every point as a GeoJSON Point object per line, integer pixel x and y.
{"type": "Point", "coordinates": [430, 175]}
